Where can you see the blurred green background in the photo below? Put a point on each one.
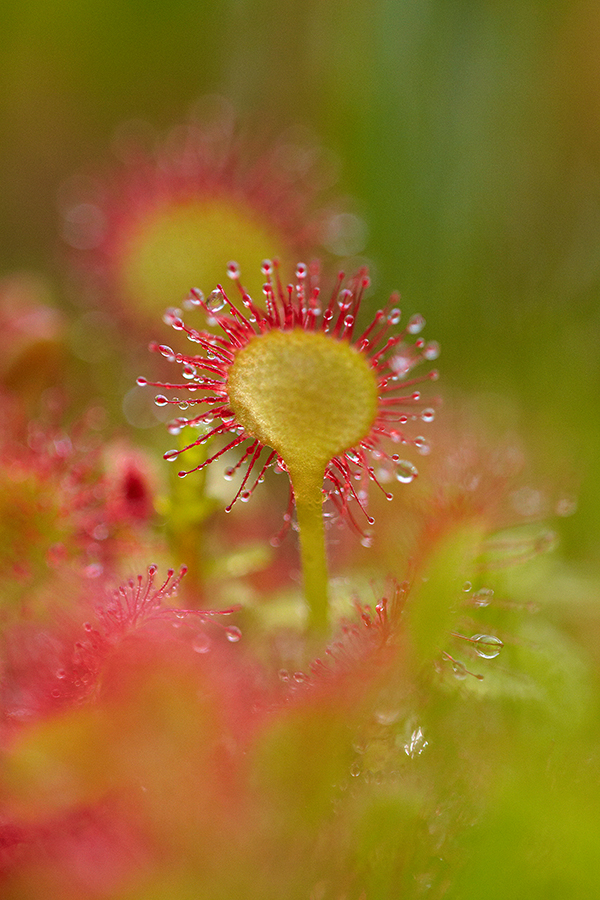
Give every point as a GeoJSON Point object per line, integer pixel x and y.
{"type": "Point", "coordinates": [468, 133]}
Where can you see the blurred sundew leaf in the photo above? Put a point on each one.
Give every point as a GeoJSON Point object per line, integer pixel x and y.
{"type": "Point", "coordinates": [55, 765]}
{"type": "Point", "coordinates": [190, 243]}
{"type": "Point", "coordinates": [298, 762]}
{"type": "Point", "coordinates": [433, 600]}
{"type": "Point", "coordinates": [386, 830]}
{"type": "Point", "coordinates": [540, 665]}
{"type": "Point", "coordinates": [538, 835]}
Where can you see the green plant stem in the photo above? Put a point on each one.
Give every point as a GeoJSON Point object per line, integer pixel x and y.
{"type": "Point", "coordinates": [308, 494]}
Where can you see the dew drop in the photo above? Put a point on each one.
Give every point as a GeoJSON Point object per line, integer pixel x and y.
{"type": "Point", "coordinates": [355, 770]}
{"type": "Point", "coordinates": [384, 476]}
{"type": "Point", "coordinates": [483, 596]}
{"type": "Point", "coordinates": [169, 315]}
{"type": "Point", "coordinates": [300, 270]}
{"type": "Point", "coordinates": [428, 415]}
{"type": "Point", "coordinates": [195, 297]}
{"type": "Point", "coordinates": [201, 643]}
{"type": "Point", "coordinates": [174, 428]}
{"type": "Point", "coordinates": [405, 471]}
{"type": "Point", "coordinates": [160, 400]}
{"type": "Point", "coordinates": [61, 674]}
{"type": "Point", "coordinates": [416, 743]}
{"type": "Point", "coordinates": [100, 532]}
{"type": "Point", "coordinates": [229, 473]}
{"type": "Point", "coordinates": [152, 569]}
{"type": "Point", "coordinates": [487, 645]}
{"type": "Point", "coordinates": [233, 270]}
{"type": "Point", "coordinates": [171, 455]}
{"type": "Point", "coordinates": [284, 675]}
{"type": "Point", "coordinates": [215, 301]}
{"type": "Point", "coordinates": [566, 506]}
{"type": "Point", "coordinates": [416, 324]}
{"type": "Point", "coordinates": [141, 382]}
{"type": "Point", "coordinates": [431, 350]}
{"type": "Point", "coordinates": [167, 352]}
{"type": "Point", "coordinates": [401, 364]}
{"type": "Point", "coordinates": [387, 716]}
{"type": "Point", "coordinates": [345, 300]}
{"type": "Point", "coordinates": [394, 316]}
{"type": "Point", "coordinates": [349, 321]}
{"type": "Point", "coordinates": [467, 587]}
{"type": "Point", "coordinates": [459, 670]}
{"type": "Point", "coordinates": [266, 267]}
{"type": "Point", "coordinates": [233, 633]}
{"type": "Point", "coordinates": [423, 446]}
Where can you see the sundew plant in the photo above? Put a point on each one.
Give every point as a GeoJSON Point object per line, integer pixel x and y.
{"type": "Point", "coordinates": [292, 378]}
{"type": "Point", "coordinates": [272, 598]}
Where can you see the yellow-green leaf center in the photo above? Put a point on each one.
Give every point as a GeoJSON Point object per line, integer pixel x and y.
{"type": "Point", "coordinates": [180, 244]}
{"type": "Point", "coordinates": [305, 394]}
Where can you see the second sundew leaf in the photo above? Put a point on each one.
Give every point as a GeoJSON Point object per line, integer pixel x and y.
{"type": "Point", "coordinates": [170, 212]}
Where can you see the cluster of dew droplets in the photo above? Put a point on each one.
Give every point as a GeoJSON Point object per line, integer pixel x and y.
{"type": "Point", "coordinates": [393, 363]}
{"type": "Point", "coordinates": [140, 601]}
{"type": "Point", "coordinates": [485, 646]}
{"type": "Point", "coordinates": [416, 743]}
{"type": "Point", "coordinates": [392, 729]}
{"type": "Point", "coordinates": [134, 604]}
{"type": "Point", "coordinates": [356, 640]}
